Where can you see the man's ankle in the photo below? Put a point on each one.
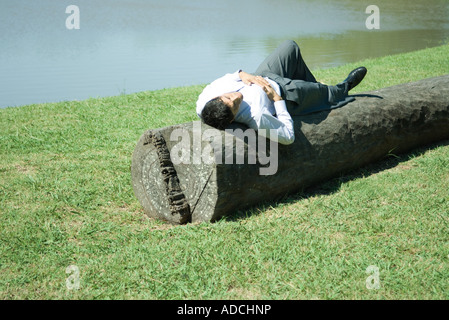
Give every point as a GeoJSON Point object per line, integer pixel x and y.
{"type": "Point", "coordinates": [338, 92]}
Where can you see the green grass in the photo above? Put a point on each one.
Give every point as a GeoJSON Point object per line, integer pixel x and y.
{"type": "Point", "coordinates": [66, 199]}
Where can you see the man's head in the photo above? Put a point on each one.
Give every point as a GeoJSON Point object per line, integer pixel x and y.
{"type": "Point", "coordinates": [220, 111]}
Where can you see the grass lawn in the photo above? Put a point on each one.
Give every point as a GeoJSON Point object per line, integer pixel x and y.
{"type": "Point", "coordinates": [66, 199]}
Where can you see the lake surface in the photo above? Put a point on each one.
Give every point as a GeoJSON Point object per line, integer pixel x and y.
{"type": "Point", "coordinates": [125, 46]}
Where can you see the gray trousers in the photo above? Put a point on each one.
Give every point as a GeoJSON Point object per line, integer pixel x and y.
{"type": "Point", "coordinates": [303, 94]}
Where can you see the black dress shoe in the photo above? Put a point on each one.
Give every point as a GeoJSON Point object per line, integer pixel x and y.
{"type": "Point", "coordinates": [355, 77]}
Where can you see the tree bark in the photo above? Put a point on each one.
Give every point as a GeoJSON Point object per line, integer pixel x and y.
{"type": "Point", "coordinates": [175, 179]}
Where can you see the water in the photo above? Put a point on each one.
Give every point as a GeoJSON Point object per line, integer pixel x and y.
{"type": "Point", "coordinates": [126, 46]}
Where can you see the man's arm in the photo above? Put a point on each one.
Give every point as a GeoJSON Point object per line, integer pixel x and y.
{"type": "Point", "coordinates": [250, 79]}
{"type": "Point", "coordinates": [228, 83]}
{"type": "Point", "coordinates": [283, 123]}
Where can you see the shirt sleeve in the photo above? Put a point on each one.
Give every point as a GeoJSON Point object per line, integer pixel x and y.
{"type": "Point", "coordinates": [216, 88]}
{"type": "Point", "coordinates": [281, 126]}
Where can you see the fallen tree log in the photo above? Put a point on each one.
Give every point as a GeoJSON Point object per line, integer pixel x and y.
{"type": "Point", "coordinates": [192, 172]}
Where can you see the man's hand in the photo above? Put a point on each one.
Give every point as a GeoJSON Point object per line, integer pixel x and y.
{"type": "Point", "coordinates": [249, 79]}
{"type": "Point", "coordinates": [271, 93]}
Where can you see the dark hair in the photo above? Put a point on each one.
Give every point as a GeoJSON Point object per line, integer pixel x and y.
{"type": "Point", "coordinates": [216, 114]}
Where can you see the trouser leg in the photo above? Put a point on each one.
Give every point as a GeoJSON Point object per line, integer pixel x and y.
{"type": "Point", "coordinates": [299, 87]}
{"type": "Point", "coordinates": [286, 61]}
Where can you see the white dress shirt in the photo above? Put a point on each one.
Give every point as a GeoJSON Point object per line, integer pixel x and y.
{"type": "Point", "coordinates": [257, 111]}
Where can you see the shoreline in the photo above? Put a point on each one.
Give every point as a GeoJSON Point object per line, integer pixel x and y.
{"type": "Point", "coordinates": [317, 71]}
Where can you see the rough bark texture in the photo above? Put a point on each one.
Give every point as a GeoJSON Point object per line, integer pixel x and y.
{"type": "Point", "coordinates": [391, 120]}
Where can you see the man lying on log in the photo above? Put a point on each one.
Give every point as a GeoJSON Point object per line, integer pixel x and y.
{"type": "Point", "coordinates": [283, 87]}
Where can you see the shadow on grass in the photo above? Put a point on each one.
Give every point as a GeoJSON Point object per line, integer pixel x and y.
{"type": "Point", "coordinates": [333, 185]}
